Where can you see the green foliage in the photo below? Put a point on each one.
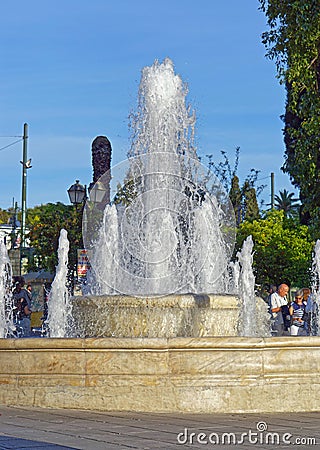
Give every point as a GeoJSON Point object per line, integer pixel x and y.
{"type": "Point", "coordinates": [4, 216]}
{"type": "Point", "coordinates": [250, 202]}
{"type": "Point", "coordinates": [286, 202]}
{"type": "Point", "coordinates": [244, 198]}
{"type": "Point", "coordinates": [45, 223]}
{"type": "Point", "coordinates": [293, 41]}
{"type": "Point", "coordinates": [282, 249]}
{"type": "Point", "coordinates": [126, 194]}
{"type": "Point", "coordinates": [235, 196]}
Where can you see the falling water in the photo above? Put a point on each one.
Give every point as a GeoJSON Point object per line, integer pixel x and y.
{"type": "Point", "coordinates": [315, 292]}
{"type": "Point", "coordinates": [6, 299]}
{"type": "Point", "coordinates": [254, 319]}
{"type": "Point", "coordinates": [176, 234]}
{"type": "Point", "coordinates": [247, 323]}
{"type": "Point", "coordinates": [59, 305]}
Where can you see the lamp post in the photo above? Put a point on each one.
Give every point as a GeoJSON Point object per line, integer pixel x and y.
{"type": "Point", "coordinates": [97, 192]}
{"type": "Point", "coordinates": [77, 193]}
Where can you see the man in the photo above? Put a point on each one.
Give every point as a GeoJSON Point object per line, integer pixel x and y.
{"type": "Point", "coordinates": [278, 303]}
{"type": "Point", "coordinates": [23, 308]}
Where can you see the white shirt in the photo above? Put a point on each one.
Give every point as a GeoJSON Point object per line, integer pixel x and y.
{"type": "Point", "coordinates": [276, 301]}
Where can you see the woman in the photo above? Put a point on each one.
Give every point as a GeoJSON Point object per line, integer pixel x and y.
{"type": "Point", "coordinates": [297, 313]}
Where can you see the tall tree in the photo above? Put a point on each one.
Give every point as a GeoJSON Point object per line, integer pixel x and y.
{"type": "Point", "coordinates": [282, 249]}
{"type": "Point", "coordinates": [243, 198]}
{"type": "Point", "coordinates": [286, 202]}
{"type": "Point", "coordinates": [45, 223]}
{"type": "Point", "coordinates": [293, 41]}
{"type": "Point", "coordinates": [250, 202]}
{"type": "Point", "coordinates": [235, 196]}
{"type": "Point", "coordinates": [4, 216]}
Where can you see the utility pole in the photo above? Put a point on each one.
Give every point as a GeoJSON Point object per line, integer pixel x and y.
{"type": "Point", "coordinates": [24, 193]}
{"type": "Point", "coordinates": [13, 221]}
{"type": "Point", "coordinates": [272, 190]}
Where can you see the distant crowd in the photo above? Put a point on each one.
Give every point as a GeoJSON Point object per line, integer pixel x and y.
{"type": "Point", "coordinates": [295, 318]}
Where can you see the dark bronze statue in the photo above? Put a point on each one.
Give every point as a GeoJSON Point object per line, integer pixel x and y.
{"type": "Point", "coordinates": [101, 162]}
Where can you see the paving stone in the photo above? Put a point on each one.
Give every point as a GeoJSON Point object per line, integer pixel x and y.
{"type": "Point", "coordinates": [36, 428]}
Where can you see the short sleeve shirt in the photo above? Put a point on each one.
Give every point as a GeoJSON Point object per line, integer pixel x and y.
{"type": "Point", "coordinates": [276, 301]}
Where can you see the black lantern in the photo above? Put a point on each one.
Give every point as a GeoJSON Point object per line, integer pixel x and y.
{"type": "Point", "coordinates": [77, 193]}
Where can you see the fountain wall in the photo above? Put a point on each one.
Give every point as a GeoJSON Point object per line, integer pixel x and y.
{"type": "Point", "coordinates": [203, 375]}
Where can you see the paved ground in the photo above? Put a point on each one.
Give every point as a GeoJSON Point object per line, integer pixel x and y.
{"type": "Point", "coordinates": [44, 429]}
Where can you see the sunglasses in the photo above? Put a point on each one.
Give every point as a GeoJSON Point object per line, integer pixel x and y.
{"type": "Point", "coordinates": [298, 298]}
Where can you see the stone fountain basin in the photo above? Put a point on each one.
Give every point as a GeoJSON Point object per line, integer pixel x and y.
{"type": "Point", "coordinates": [201, 375]}
{"type": "Point", "coordinates": [183, 315]}
{"type": "Point", "coordinates": [197, 372]}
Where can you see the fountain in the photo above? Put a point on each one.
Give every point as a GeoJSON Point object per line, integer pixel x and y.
{"type": "Point", "coordinates": [59, 320]}
{"type": "Point", "coordinates": [158, 332]}
{"type": "Point", "coordinates": [160, 262]}
{"type": "Point", "coordinates": [315, 292]}
{"type": "Point", "coordinates": [7, 326]}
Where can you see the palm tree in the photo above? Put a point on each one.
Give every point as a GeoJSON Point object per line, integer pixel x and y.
{"type": "Point", "coordinates": [286, 202]}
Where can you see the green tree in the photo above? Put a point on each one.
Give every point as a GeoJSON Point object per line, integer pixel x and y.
{"type": "Point", "coordinates": [45, 223]}
{"type": "Point", "coordinates": [244, 198]}
{"type": "Point", "coordinates": [293, 41]}
{"type": "Point", "coordinates": [4, 216]}
{"type": "Point", "coordinates": [251, 207]}
{"type": "Point", "coordinates": [286, 202]}
{"type": "Point", "coordinates": [126, 193]}
{"type": "Point", "coordinates": [282, 249]}
{"type": "Point", "coordinates": [235, 196]}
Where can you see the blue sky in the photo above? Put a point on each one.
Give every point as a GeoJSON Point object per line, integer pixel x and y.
{"type": "Point", "coordinates": [71, 70]}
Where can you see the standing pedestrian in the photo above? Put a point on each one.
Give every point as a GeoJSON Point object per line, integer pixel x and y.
{"type": "Point", "coordinates": [23, 307]}
{"type": "Point", "coordinates": [278, 306]}
{"type": "Point", "coordinates": [297, 312]}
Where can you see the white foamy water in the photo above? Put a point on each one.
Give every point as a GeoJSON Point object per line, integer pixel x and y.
{"type": "Point", "coordinates": [254, 319]}
{"type": "Point", "coordinates": [59, 305]}
{"type": "Point", "coordinates": [177, 233]}
{"type": "Point", "coordinates": [247, 323]}
{"type": "Point", "coordinates": [315, 292]}
{"type": "Point", "coordinates": [6, 300]}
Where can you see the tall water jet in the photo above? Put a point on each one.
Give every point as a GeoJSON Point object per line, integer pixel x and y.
{"type": "Point", "coordinates": [7, 326]}
{"type": "Point", "coordinates": [172, 223]}
{"type": "Point", "coordinates": [59, 305]}
{"type": "Point", "coordinates": [247, 320]}
{"type": "Point", "coordinates": [253, 312]}
{"type": "Point", "coordinates": [315, 292]}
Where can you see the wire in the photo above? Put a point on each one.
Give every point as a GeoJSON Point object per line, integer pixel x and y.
{"type": "Point", "coordinates": [259, 179]}
{"type": "Point", "coordinates": [9, 145]}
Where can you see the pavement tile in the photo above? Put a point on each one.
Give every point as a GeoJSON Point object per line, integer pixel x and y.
{"type": "Point", "coordinates": [38, 428]}
{"type": "Point", "coordinates": [20, 444]}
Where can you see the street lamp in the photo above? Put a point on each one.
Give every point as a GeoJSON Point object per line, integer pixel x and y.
{"type": "Point", "coordinates": [77, 193]}
{"type": "Point", "coordinates": [97, 192]}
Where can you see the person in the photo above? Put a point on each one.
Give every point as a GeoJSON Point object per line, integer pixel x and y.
{"type": "Point", "coordinates": [22, 303]}
{"type": "Point", "coordinates": [29, 291]}
{"type": "Point", "coordinates": [307, 300]}
{"type": "Point", "coordinates": [271, 290]}
{"type": "Point", "coordinates": [297, 313]}
{"type": "Point", "coordinates": [279, 308]}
